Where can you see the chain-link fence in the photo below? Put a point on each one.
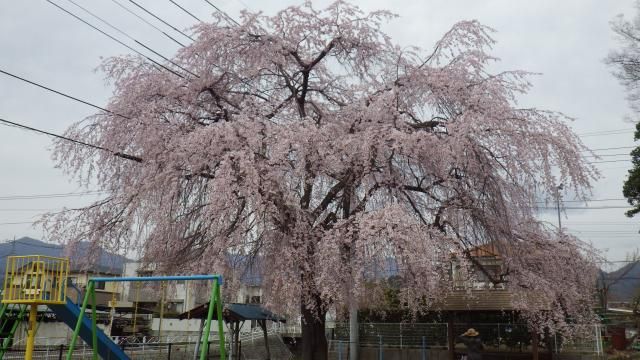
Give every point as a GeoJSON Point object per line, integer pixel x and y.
{"type": "Point", "coordinates": [419, 340]}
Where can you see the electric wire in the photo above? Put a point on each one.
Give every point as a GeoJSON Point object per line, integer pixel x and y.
{"type": "Point", "coordinates": [62, 94]}
{"type": "Point", "coordinates": [61, 137]}
{"type": "Point", "coordinates": [185, 10]}
{"type": "Point", "coordinates": [147, 22]}
{"type": "Point", "coordinates": [115, 39]}
{"type": "Point", "coordinates": [609, 161]}
{"type": "Point", "coordinates": [606, 155]}
{"type": "Point", "coordinates": [607, 132]}
{"type": "Point", "coordinates": [586, 207]}
{"type": "Point", "coordinates": [612, 148]}
{"type": "Point", "coordinates": [229, 18]}
{"type": "Point", "coordinates": [50, 196]}
{"type": "Point", "coordinates": [160, 19]}
{"type": "Point", "coordinates": [129, 36]}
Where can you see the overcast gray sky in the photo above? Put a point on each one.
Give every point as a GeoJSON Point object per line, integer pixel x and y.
{"type": "Point", "coordinates": [565, 41]}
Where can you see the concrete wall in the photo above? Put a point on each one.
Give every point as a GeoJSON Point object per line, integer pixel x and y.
{"type": "Point", "coordinates": [48, 333]}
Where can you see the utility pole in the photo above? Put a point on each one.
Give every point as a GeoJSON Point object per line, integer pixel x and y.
{"type": "Point", "coordinates": [558, 188]}
{"type": "Point", "coordinates": [354, 336]}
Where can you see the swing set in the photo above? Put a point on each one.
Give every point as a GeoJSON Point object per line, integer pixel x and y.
{"type": "Point", "coordinates": [214, 302]}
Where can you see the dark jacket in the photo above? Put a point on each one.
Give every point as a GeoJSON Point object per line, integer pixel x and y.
{"type": "Point", "coordinates": [474, 346]}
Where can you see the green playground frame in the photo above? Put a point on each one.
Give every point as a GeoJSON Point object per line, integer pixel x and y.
{"type": "Point", "coordinates": [214, 301]}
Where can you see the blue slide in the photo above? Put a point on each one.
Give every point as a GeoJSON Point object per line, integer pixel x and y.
{"type": "Point", "coordinates": [69, 312]}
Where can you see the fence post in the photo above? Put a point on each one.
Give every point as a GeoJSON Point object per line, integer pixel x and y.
{"type": "Point", "coordinates": [424, 348]}
{"type": "Point", "coordinates": [60, 352]}
{"type": "Point", "coordinates": [339, 350]}
{"type": "Point", "coordinates": [169, 352]}
{"type": "Point", "coordinates": [401, 337]}
{"type": "Point", "coordinates": [380, 355]}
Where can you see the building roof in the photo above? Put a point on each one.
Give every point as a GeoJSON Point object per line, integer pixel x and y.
{"type": "Point", "coordinates": [478, 300]}
{"type": "Point", "coordinates": [234, 312]}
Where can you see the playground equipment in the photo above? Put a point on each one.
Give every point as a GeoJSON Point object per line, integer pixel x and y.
{"type": "Point", "coordinates": [34, 280]}
{"type": "Point", "coordinates": [95, 334]}
{"type": "Point", "coordinates": [42, 280]}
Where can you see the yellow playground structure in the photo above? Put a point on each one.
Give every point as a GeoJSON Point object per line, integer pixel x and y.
{"type": "Point", "coordinates": [35, 280]}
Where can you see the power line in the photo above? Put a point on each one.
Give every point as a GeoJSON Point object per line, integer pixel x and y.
{"type": "Point", "coordinates": [606, 132]}
{"type": "Point", "coordinates": [27, 210]}
{"type": "Point", "coordinates": [61, 137]}
{"type": "Point", "coordinates": [114, 38]}
{"type": "Point", "coordinates": [608, 161]}
{"type": "Point", "coordinates": [160, 19]}
{"type": "Point", "coordinates": [607, 155]}
{"type": "Point", "coordinates": [61, 93]}
{"type": "Point", "coordinates": [52, 246]}
{"type": "Point", "coordinates": [185, 10]}
{"type": "Point", "coordinates": [147, 22]}
{"type": "Point", "coordinates": [11, 123]}
{"type": "Point", "coordinates": [229, 18]}
{"type": "Point", "coordinates": [613, 148]}
{"type": "Point", "coordinates": [586, 201]}
{"type": "Point", "coordinates": [587, 207]}
{"type": "Point", "coordinates": [130, 37]}
{"type": "Point", "coordinates": [49, 196]}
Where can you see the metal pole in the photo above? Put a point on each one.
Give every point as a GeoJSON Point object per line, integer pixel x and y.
{"type": "Point", "coordinates": [354, 337]}
{"type": "Point", "coordinates": [94, 329]}
{"type": "Point", "coordinates": [380, 356]}
{"type": "Point", "coordinates": [213, 301]}
{"type": "Point", "coordinates": [31, 332]}
{"type": "Point", "coordinates": [76, 331]}
{"type": "Point", "coordinates": [558, 188]}
{"type": "Point", "coordinates": [217, 283]}
{"type": "Point", "coordinates": [424, 349]}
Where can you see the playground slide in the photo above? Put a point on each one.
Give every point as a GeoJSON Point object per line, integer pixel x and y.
{"type": "Point", "coordinates": [107, 349]}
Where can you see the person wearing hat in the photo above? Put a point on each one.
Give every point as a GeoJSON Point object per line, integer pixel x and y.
{"type": "Point", "coordinates": [471, 340]}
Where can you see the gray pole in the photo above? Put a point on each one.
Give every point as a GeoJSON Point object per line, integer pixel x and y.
{"type": "Point", "coordinates": [560, 187]}
{"type": "Point", "coordinates": [354, 338]}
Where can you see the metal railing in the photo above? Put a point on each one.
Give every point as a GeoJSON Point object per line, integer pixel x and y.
{"type": "Point", "coordinates": [496, 337]}
{"type": "Point", "coordinates": [35, 279]}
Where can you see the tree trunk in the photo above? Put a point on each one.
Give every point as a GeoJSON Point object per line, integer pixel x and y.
{"type": "Point", "coordinates": [314, 341]}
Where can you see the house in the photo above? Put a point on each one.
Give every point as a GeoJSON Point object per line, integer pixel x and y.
{"type": "Point", "coordinates": [177, 296]}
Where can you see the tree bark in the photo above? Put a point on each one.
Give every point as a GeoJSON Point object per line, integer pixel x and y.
{"type": "Point", "coordinates": [314, 340]}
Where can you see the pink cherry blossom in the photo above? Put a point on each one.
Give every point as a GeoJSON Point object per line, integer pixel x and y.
{"type": "Point", "coordinates": [313, 144]}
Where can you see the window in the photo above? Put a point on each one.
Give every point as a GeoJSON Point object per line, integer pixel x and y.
{"type": "Point", "coordinates": [252, 299]}
{"type": "Point", "coordinates": [100, 285]}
